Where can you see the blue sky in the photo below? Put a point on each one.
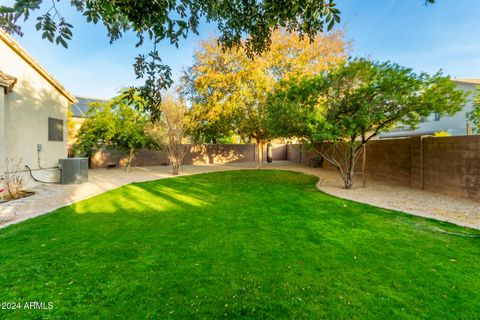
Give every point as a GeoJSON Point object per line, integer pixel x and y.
{"type": "Point", "coordinates": [427, 38]}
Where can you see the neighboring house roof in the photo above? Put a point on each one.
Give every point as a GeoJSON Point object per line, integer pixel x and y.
{"type": "Point", "coordinates": [7, 81]}
{"type": "Point", "coordinates": [4, 37]}
{"type": "Point", "coordinates": [470, 81]}
{"type": "Point", "coordinates": [80, 108]}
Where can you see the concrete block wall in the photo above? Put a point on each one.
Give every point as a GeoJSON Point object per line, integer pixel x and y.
{"type": "Point", "coordinates": [196, 154]}
{"type": "Point", "coordinates": [389, 160]}
{"type": "Point", "coordinates": [293, 153]}
{"type": "Point", "coordinates": [416, 165]}
{"type": "Point", "coordinates": [279, 152]}
{"type": "Point", "coordinates": [300, 153]}
{"type": "Point", "coordinates": [452, 166]}
{"type": "Point", "coordinates": [446, 165]}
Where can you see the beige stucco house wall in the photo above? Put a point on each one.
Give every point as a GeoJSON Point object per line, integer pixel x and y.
{"type": "Point", "coordinates": [25, 109]}
{"type": "Point", "coordinates": [456, 125]}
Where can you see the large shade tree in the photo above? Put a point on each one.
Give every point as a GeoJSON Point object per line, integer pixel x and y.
{"type": "Point", "coordinates": [228, 90]}
{"type": "Point", "coordinates": [350, 105]}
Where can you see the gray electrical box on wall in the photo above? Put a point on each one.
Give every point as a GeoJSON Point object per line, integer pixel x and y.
{"type": "Point", "coordinates": [73, 170]}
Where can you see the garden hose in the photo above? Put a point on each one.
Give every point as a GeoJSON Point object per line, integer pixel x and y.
{"type": "Point", "coordinates": [40, 181]}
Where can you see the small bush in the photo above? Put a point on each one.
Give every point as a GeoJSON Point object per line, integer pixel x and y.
{"type": "Point", "coordinates": [13, 180]}
{"type": "Point", "coordinates": [442, 133]}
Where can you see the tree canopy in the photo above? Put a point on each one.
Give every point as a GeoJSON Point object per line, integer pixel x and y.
{"type": "Point", "coordinates": [172, 20]}
{"type": "Point", "coordinates": [158, 20]}
{"type": "Point", "coordinates": [351, 104]}
{"type": "Point", "coordinates": [228, 90]}
{"type": "Point", "coordinates": [113, 124]}
{"type": "Point", "coordinates": [221, 83]}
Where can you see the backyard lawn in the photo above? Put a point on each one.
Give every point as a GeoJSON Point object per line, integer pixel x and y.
{"type": "Point", "coordinates": [239, 244]}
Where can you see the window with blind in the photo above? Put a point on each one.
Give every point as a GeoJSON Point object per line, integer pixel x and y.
{"type": "Point", "coordinates": [55, 129]}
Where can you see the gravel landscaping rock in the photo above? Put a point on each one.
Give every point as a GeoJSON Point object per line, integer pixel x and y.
{"type": "Point", "coordinates": [462, 212]}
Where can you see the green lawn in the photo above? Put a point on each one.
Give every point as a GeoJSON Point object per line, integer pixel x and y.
{"type": "Point", "coordinates": [240, 244]}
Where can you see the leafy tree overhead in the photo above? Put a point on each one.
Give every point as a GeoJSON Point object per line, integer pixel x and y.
{"type": "Point", "coordinates": [173, 20]}
{"type": "Point", "coordinates": [159, 20]}
{"type": "Point", "coordinates": [113, 124]}
{"type": "Point", "coordinates": [351, 104]}
{"type": "Point", "coordinates": [228, 90]}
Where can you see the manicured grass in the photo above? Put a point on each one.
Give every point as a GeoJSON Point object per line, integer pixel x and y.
{"type": "Point", "coordinates": [251, 244]}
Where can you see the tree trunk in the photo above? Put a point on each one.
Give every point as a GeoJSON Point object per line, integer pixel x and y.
{"type": "Point", "coordinates": [131, 154]}
{"type": "Point", "coordinates": [175, 168]}
{"type": "Point", "coordinates": [348, 180]}
{"type": "Point", "coordinates": [344, 159]}
{"type": "Point", "coordinates": [350, 170]}
{"type": "Point", "coordinates": [176, 153]}
{"type": "Point", "coordinates": [364, 162]}
{"type": "Point", "coordinates": [260, 154]}
{"type": "Point", "coordinates": [353, 153]}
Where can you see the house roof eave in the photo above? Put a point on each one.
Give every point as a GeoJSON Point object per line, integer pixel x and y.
{"type": "Point", "coordinates": [473, 81]}
{"type": "Point", "coordinates": [12, 44]}
{"type": "Point", "coordinates": [7, 82]}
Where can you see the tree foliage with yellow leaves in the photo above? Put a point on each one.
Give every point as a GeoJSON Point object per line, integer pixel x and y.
{"type": "Point", "coordinates": [228, 89]}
